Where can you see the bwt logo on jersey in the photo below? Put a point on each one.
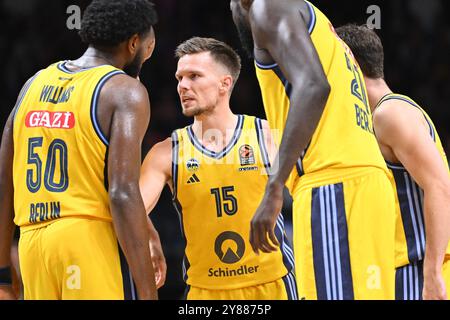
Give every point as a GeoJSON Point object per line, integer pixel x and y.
{"type": "Point", "coordinates": [52, 120]}
{"type": "Point", "coordinates": [192, 165]}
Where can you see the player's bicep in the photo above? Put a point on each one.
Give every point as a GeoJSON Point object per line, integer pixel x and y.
{"type": "Point", "coordinates": [423, 161]}
{"type": "Point", "coordinates": [128, 126]}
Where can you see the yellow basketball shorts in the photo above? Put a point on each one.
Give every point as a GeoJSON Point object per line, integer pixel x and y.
{"type": "Point", "coordinates": [344, 237]}
{"type": "Point", "coordinates": [74, 258]}
{"type": "Point", "coordinates": [409, 280]}
{"type": "Point", "coordinates": [281, 289]}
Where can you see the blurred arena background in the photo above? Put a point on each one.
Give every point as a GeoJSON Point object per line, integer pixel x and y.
{"type": "Point", "coordinates": [415, 33]}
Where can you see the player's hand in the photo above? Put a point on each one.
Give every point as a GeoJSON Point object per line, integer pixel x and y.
{"type": "Point", "coordinates": [7, 293]}
{"type": "Point", "coordinates": [264, 220]}
{"type": "Point", "coordinates": [158, 260]}
{"type": "Point", "coordinates": [433, 286]}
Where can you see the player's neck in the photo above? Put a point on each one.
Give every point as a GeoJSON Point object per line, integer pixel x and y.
{"type": "Point", "coordinates": [376, 90]}
{"type": "Point", "coordinates": [221, 119]}
{"type": "Point", "coordinates": [93, 57]}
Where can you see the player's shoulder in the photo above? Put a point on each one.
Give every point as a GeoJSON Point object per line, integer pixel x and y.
{"type": "Point", "coordinates": [397, 111]}
{"type": "Point", "coordinates": [164, 146]}
{"type": "Point", "coordinates": [268, 6]}
{"type": "Point", "coordinates": [160, 155]}
{"type": "Point", "coordinates": [396, 120]}
{"type": "Point", "coordinates": [123, 87]}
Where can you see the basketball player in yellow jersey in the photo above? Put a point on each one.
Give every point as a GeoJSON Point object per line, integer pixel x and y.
{"type": "Point", "coordinates": [329, 157]}
{"type": "Point", "coordinates": [413, 151]}
{"type": "Point", "coordinates": [216, 169]}
{"type": "Point", "coordinates": [70, 162]}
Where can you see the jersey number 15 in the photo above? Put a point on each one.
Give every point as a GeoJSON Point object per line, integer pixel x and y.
{"type": "Point", "coordinates": [225, 201]}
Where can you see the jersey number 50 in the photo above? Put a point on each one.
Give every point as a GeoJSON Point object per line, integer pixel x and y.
{"type": "Point", "coordinates": [57, 147]}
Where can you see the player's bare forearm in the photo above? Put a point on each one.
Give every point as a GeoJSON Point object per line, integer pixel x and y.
{"type": "Point", "coordinates": [131, 229]}
{"type": "Point", "coordinates": [437, 225]}
{"type": "Point", "coordinates": [303, 118]}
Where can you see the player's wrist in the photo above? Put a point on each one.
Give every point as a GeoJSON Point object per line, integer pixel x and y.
{"type": "Point", "coordinates": [275, 188]}
{"type": "Point", "coordinates": [5, 276]}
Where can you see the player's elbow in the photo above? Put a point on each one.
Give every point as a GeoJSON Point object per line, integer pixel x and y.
{"type": "Point", "coordinates": [321, 87]}
{"type": "Point", "coordinates": [120, 196]}
{"type": "Point", "coordinates": [317, 87]}
{"type": "Point", "coordinates": [439, 188]}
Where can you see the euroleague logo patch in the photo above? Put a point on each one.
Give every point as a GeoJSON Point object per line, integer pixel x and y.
{"type": "Point", "coordinates": [52, 120]}
{"type": "Point", "coordinates": [246, 155]}
{"type": "Point", "coordinates": [192, 165]}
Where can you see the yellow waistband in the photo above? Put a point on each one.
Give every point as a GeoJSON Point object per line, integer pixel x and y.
{"type": "Point", "coordinates": [30, 227]}
{"type": "Point", "coordinates": [333, 176]}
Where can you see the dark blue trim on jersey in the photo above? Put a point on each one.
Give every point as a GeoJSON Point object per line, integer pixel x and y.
{"type": "Point", "coordinates": [105, 170]}
{"type": "Point", "coordinates": [331, 252]}
{"type": "Point", "coordinates": [175, 201]}
{"type": "Point", "coordinates": [284, 81]}
{"type": "Point", "coordinates": [409, 282]}
{"type": "Point", "coordinates": [224, 152]}
{"type": "Point", "coordinates": [186, 292]}
{"type": "Point", "coordinates": [129, 287]}
{"type": "Point", "coordinates": [175, 150]}
{"type": "Point", "coordinates": [62, 67]}
{"type": "Point", "coordinates": [311, 26]}
{"type": "Point", "coordinates": [186, 265]}
{"type": "Point", "coordinates": [394, 166]}
{"type": "Point", "coordinates": [262, 144]}
{"type": "Point", "coordinates": [263, 66]}
{"type": "Point", "coordinates": [22, 94]}
{"type": "Point", "coordinates": [94, 103]}
{"type": "Point", "coordinates": [396, 97]}
{"type": "Point", "coordinates": [312, 22]}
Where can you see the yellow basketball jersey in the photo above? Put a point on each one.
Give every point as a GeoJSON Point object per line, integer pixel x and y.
{"type": "Point", "coordinates": [344, 137]}
{"type": "Point", "coordinates": [216, 195]}
{"type": "Point", "coordinates": [59, 150]}
{"type": "Point", "coordinates": [410, 227]}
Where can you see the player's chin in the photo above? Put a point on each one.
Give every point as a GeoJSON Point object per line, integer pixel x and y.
{"type": "Point", "coordinates": [190, 111]}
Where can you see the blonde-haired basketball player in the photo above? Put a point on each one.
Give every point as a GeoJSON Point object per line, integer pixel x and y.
{"type": "Point", "coordinates": [216, 169]}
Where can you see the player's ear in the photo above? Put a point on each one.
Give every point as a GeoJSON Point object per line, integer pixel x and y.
{"type": "Point", "coordinates": [133, 44]}
{"type": "Point", "coordinates": [226, 84]}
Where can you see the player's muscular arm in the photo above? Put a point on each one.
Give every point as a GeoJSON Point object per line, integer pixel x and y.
{"type": "Point", "coordinates": [280, 29]}
{"type": "Point", "coordinates": [155, 173]}
{"type": "Point", "coordinates": [128, 102]}
{"type": "Point", "coordinates": [402, 128]}
{"type": "Point", "coordinates": [6, 206]}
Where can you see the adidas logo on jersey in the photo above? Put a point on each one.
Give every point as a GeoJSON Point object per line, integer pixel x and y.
{"type": "Point", "coordinates": [193, 179]}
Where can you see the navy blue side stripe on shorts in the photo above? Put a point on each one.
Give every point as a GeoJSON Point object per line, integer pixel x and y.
{"type": "Point", "coordinates": [291, 285]}
{"type": "Point", "coordinates": [409, 282]}
{"type": "Point", "coordinates": [330, 244]}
